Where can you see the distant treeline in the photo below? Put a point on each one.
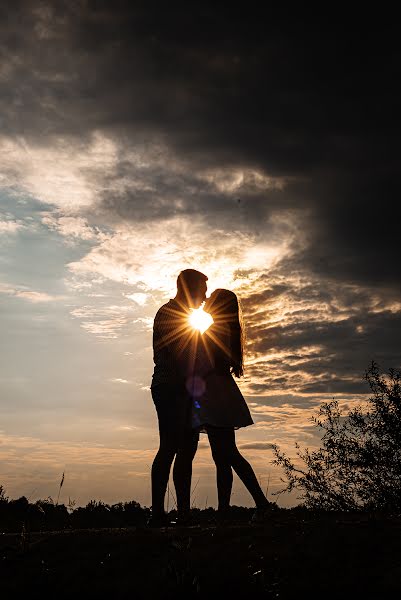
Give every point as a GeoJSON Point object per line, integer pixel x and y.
{"type": "Point", "coordinates": [47, 515]}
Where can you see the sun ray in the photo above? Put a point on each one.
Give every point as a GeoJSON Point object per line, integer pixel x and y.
{"type": "Point", "coordinates": [216, 339]}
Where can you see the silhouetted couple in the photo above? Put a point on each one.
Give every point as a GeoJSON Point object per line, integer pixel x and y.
{"type": "Point", "coordinates": [194, 391]}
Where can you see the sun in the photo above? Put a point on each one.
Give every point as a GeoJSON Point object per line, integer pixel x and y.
{"type": "Point", "coordinates": [201, 320]}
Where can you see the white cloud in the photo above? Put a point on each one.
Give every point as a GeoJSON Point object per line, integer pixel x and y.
{"type": "Point", "coordinates": [11, 226]}
{"type": "Point", "coordinates": [60, 173]}
{"type": "Point", "coordinates": [35, 297]}
{"type": "Point", "coordinates": [101, 311]}
{"type": "Point", "coordinates": [138, 298]}
{"type": "Point", "coordinates": [104, 321]}
{"type": "Point", "coordinates": [151, 255]}
{"type": "Point", "coordinates": [105, 328]}
{"type": "Point", "coordinates": [27, 294]}
{"type": "Point", "coordinates": [146, 322]}
{"type": "Point", "coordinates": [70, 227]}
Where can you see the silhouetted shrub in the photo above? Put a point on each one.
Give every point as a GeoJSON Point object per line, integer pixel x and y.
{"type": "Point", "coordinates": [132, 513]}
{"type": "Point", "coordinates": [45, 514]}
{"type": "Point", "coordinates": [98, 514]}
{"type": "Point", "coordinates": [359, 463]}
{"type": "Point", "coordinates": [3, 507]}
{"type": "Point", "coordinates": [17, 512]}
{"type": "Point", "coordinates": [95, 514]}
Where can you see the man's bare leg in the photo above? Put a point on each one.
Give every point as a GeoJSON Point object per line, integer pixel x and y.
{"type": "Point", "coordinates": [160, 475]}
{"type": "Point", "coordinates": [182, 472]}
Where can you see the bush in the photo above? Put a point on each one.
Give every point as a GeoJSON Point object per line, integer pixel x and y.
{"type": "Point", "coordinates": [359, 463]}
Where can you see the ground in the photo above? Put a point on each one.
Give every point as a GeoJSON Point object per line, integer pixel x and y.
{"type": "Point", "coordinates": [290, 555]}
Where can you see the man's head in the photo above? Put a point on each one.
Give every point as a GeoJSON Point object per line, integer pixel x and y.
{"type": "Point", "coordinates": [191, 287]}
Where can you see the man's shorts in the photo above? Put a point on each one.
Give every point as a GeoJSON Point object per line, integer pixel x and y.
{"type": "Point", "coordinates": [173, 407]}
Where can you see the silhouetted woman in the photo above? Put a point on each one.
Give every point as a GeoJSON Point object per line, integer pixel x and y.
{"type": "Point", "coordinates": [220, 408]}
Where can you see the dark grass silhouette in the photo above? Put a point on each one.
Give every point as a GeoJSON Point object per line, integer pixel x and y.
{"type": "Point", "coordinates": [45, 515]}
{"type": "Point", "coordinates": [295, 553]}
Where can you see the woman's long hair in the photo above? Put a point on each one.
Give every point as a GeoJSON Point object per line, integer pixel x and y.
{"type": "Point", "coordinates": [227, 310]}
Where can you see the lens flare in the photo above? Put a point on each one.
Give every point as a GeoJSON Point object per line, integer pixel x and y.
{"type": "Point", "coordinates": [199, 319]}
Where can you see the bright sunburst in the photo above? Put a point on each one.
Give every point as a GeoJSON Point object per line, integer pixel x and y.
{"type": "Point", "coordinates": [201, 320]}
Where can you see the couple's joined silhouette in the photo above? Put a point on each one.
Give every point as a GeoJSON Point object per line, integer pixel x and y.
{"type": "Point", "coordinates": [194, 391]}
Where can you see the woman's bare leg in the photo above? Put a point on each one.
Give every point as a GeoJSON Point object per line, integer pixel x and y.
{"type": "Point", "coordinates": [224, 474]}
{"type": "Point", "coordinates": [225, 448]}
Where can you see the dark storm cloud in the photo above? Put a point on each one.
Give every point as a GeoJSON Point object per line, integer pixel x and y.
{"type": "Point", "coordinates": [380, 330]}
{"type": "Point", "coordinates": [325, 343]}
{"type": "Point", "coordinates": [316, 102]}
{"type": "Point", "coordinates": [157, 192]}
{"type": "Point", "coordinates": [280, 400]}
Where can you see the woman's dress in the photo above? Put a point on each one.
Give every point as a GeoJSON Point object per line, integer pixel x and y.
{"type": "Point", "coordinates": [218, 401]}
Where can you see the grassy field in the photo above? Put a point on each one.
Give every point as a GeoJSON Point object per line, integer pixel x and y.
{"type": "Point", "coordinates": [291, 555]}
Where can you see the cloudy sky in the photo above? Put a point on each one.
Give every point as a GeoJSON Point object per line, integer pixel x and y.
{"type": "Point", "coordinates": [260, 150]}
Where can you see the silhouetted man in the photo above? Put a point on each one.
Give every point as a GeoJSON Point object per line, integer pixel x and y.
{"type": "Point", "coordinates": [174, 352]}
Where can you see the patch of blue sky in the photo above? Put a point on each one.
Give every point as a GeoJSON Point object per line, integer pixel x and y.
{"type": "Point", "coordinates": [35, 256]}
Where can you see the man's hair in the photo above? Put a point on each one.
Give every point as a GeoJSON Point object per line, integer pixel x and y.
{"type": "Point", "coordinates": [189, 280]}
